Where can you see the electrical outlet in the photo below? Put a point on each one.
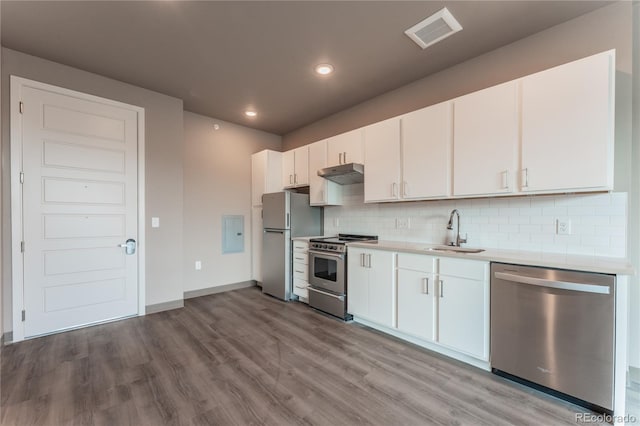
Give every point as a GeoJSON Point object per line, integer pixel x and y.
{"type": "Point", "coordinates": [155, 222]}
{"type": "Point", "coordinates": [563, 226]}
{"type": "Point", "coordinates": [403, 223]}
{"type": "Point", "coordinates": [198, 265]}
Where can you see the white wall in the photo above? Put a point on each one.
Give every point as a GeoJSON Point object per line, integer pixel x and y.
{"type": "Point", "coordinates": [217, 181]}
{"type": "Point", "coordinates": [599, 221]}
{"type": "Point", "coordinates": [163, 159]}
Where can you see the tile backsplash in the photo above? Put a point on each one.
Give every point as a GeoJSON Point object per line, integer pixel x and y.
{"type": "Point", "coordinates": [598, 221]}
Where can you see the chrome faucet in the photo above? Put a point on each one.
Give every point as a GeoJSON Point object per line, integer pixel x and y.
{"type": "Point", "coordinates": [458, 240]}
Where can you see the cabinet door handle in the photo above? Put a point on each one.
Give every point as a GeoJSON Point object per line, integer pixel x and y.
{"type": "Point", "coordinates": [526, 178]}
{"type": "Point", "coordinates": [300, 272]}
{"type": "Point", "coordinates": [295, 178]}
{"type": "Point", "coordinates": [441, 288]}
{"type": "Point", "coordinates": [505, 179]}
{"type": "Point", "coordinates": [344, 155]}
{"type": "Point", "coordinates": [368, 261]}
{"type": "Point", "coordinates": [425, 285]}
{"type": "Point", "coordinates": [405, 190]}
{"type": "Point", "coordinates": [362, 259]}
{"type": "Point", "coordinates": [340, 158]}
{"type": "Point", "coordinates": [290, 179]}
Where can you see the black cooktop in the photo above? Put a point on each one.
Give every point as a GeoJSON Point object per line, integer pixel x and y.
{"type": "Point", "coordinates": [345, 238]}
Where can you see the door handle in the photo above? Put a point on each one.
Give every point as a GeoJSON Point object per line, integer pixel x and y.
{"type": "Point", "coordinates": [290, 179]}
{"type": "Point", "coordinates": [405, 190]}
{"type": "Point", "coordinates": [362, 259]}
{"type": "Point", "coordinates": [505, 179]}
{"type": "Point", "coordinates": [560, 285]}
{"type": "Point", "coordinates": [340, 158]}
{"type": "Point", "coordinates": [425, 285]}
{"type": "Point", "coordinates": [526, 178]}
{"type": "Point", "coordinates": [295, 178]}
{"type": "Point", "coordinates": [369, 261]}
{"type": "Point", "coordinates": [344, 155]}
{"type": "Point", "coordinates": [129, 246]}
{"type": "Point", "coordinates": [441, 288]}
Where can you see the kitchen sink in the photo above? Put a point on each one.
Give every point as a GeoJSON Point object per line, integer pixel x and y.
{"type": "Point", "coordinates": [453, 249]}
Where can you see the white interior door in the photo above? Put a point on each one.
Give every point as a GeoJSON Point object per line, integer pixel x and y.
{"type": "Point", "coordinates": [79, 204]}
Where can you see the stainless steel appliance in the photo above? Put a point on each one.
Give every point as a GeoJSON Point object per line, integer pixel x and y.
{"type": "Point", "coordinates": [328, 273]}
{"type": "Point", "coordinates": [554, 329]}
{"type": "Point", "coordinates": [344, 174]}
{"type": "Point", "coordinates": [285, 215]}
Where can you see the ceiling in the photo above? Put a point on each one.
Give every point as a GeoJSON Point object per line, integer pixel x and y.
{"type": "Point", "coordinates": [224, 57]}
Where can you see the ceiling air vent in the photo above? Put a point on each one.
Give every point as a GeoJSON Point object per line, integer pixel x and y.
{"type": "Point", "coordinates": [436, 27]}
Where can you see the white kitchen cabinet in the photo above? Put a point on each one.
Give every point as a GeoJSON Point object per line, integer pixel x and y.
{"type": "Point", "coordinates": [345, 148]}
{"type": "Point", "coordinates": [568, 126]}
{"type": "Point", "coordinates": [256, 244]}
{"type": "Point", "coordinates": [426, 153]}
{"type": "Point", "coordinates": [295, 167]}
{"type": "Point", "coordinates": [382, 161]}
{"type": "Point", "coordinates": [266, 169]}
{"type": "Point", "coordinates": [463, 306]}
{"type": "Point", "coordinates": [486, 141]}
{"type": "Point", "coordinates": [322, 192]}
{"type": "Point", "coordinates": [371, 289]}
{"type": "Point", "coordinates": [416, 296]}
{"type": "Point", "coordinates": [301, 270]}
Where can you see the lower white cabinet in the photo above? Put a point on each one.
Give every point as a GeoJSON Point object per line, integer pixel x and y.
{"type": "Point", "coordinates": [256, 245]}
{"type": "Point", "coordinates": [371, 287]}
{"type": "Point", "coordinates": [301, 270]}
{"type": "Point", "coordinates": [463, 306]}
{"type": "Point", "coordinates": [445, 301]}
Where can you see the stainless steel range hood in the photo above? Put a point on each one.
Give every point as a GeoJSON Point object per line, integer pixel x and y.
{"type": "Point", "coordinates": [344, 174]}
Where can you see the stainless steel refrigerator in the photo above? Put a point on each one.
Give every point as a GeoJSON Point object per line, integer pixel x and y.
{"type": "Point", "coordinates": [285, 215]}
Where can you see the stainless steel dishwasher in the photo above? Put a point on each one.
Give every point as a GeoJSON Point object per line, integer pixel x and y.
{"type": "Point", "coordinates": [554, 329]}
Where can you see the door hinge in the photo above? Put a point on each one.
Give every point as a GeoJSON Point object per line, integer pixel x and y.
{"type": "Point", "coordinates": [21, 177]}
{"type": "Point", "coordinates": [21, 107]}
{"type": "Point", "coordinates": [22, 246]}
{"type": "Point", "coordinates": [24, 315]}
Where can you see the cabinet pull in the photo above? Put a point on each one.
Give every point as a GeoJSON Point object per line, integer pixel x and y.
{"type": "Point", "coordinates": [340, 158]}
{"type": "Point", "coordinates": [299, 258]}
{"type": "Point", "coordinates": [526, 178]}
{"type": "Point", "coordinates": [362, 259]}
{"type": "Point", "coordinates": [405, 190]}
{"type": "Point", "coordinates": [505, 179]}
{"type": "Point", "coordinates": [344, 155]}
{"type": "Point", "coordinates": [290, 179]}
{"type": "Point", "coordinates": [300, 272]}
{"type": "Point", "coordinates": [368, 261]}
{"type": "Point", "coordinates": [425, 285]}
{"type": "Point", "coordinates": [295, 178]}
{"type": "Point", "coordinates": [441, 288]}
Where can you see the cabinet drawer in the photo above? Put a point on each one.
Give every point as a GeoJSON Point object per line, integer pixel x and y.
{"type": "Point", "coordinates": [416, 262]}
{"type": "Point", "coordinates": [302, 258]}
{"type": "Point", "coordinates": [300, 288]}
{"type": "Point", "coordinates": [300, 271]}
{"type": "Point", "coordinates": [300, 245]}
{"type": "Point", "coordinates": [472, 269]}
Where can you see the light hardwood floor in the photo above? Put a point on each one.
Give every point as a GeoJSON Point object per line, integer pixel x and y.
{"type": "Point", "coordinates": [245, 358]}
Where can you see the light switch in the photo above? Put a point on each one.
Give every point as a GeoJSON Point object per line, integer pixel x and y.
{"type": "Point", "coordinates": [155, 222]}
{"type": "Point", "coordinates": [198, 265]}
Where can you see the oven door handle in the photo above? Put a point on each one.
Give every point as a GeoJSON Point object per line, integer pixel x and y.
{"type": "Point", "coordinates": [323, 253]}
{"type": "Point", "coordinates": [341, 298]}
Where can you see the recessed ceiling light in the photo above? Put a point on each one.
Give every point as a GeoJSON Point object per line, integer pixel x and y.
{"type": "Point", "coordinates": [324, 69]}
{"type": "Point", "coordinates": [250, 113]}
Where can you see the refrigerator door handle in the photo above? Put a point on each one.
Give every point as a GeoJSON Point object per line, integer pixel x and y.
{"type": "Point", "coordinates": [287, 220]}
{"type": "Point", "coordinates": [273, 231]}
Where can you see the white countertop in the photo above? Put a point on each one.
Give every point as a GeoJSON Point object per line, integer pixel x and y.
{"type": "Point", "coordinates": [605, 265]}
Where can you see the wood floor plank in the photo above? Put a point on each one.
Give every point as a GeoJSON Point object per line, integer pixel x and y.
{"type": "Point", "coordinates": [243, 358]}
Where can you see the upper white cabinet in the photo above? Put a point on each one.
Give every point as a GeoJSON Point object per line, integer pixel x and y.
{"type": "Point", "coordinates": [345, 148]}
{"type": "Point", "coordinates": [568, 126]}
{"type": "Point", "coordinates": [295, 167]}
{"type": "Point", "coordinates": [426, 152]}
{"type": "Point", "coordinates": [485, 141]}
{"type": "Point", "coordinates": [382, 161]}
{"type": "Point", "coordinates": [322, 192]}
{"type": "Point", "coordinates": [266, 169]}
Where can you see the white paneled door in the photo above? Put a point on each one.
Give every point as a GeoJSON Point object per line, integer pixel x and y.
{"type": "Point", "coordinates": [80, 204]}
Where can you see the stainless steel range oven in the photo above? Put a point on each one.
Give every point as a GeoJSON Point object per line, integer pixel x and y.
{"type": "Point", "coordinates": [328, 273]}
